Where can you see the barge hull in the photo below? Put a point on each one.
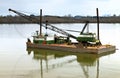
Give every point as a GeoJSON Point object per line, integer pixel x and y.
{"type": "Point", "coordinates": [70, 49]}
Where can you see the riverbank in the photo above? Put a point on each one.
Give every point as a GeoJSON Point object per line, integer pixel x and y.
{"type": "Point", "coordinates": [58, 19]}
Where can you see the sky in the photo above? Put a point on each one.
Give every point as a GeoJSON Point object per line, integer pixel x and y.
{"type": "Point", "coordinates": [61, 7]}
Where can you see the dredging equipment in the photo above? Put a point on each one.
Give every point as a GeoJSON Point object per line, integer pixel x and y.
{"type": "Point", "coordinates": [87, 41]}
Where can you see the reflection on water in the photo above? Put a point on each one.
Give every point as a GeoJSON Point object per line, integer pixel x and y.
{"type": "Point", "coordinates": [56, 59]}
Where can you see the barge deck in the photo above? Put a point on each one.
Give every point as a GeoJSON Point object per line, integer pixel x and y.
{"type": "Point", "coordinates": [72, 48]}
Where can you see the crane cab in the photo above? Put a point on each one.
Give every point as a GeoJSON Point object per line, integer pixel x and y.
{"type": "Point", "coordinates": [88, 39]}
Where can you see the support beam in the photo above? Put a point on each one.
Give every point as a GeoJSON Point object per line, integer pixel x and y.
{"type": "Point", "coordinates": [40, 22]}
{"type": "Point", "coordinates": [98, 37]}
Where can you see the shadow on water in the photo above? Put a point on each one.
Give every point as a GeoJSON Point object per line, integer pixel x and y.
{"type": "Point", "coordinates": [85, 60]}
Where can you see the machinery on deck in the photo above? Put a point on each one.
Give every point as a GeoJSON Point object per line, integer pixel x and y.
{"type": "Point", "coordinates": [85, 39]}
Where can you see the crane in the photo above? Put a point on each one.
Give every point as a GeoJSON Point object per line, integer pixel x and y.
{"type": "Point", "coordinates": [85, 39]}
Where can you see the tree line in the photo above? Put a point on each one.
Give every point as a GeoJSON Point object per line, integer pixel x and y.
{"type": "Point", "coordinates": [59, 19]}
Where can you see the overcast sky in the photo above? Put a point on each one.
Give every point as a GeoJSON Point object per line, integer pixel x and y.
{"type": "Point", "coordinates": [61, 7]}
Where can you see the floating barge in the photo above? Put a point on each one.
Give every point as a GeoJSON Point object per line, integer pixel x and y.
{"type": "Point", "coordinates": [73, 48]}
{"type": "Point", "coordinates": [86, 41]}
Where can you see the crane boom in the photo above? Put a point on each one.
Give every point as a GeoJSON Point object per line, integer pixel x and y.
{"type": "Point", "coordinates": [51, 27]}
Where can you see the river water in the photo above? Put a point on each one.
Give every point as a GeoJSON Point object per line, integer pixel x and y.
{"type": "Point", "coordinates": [16, 61]}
